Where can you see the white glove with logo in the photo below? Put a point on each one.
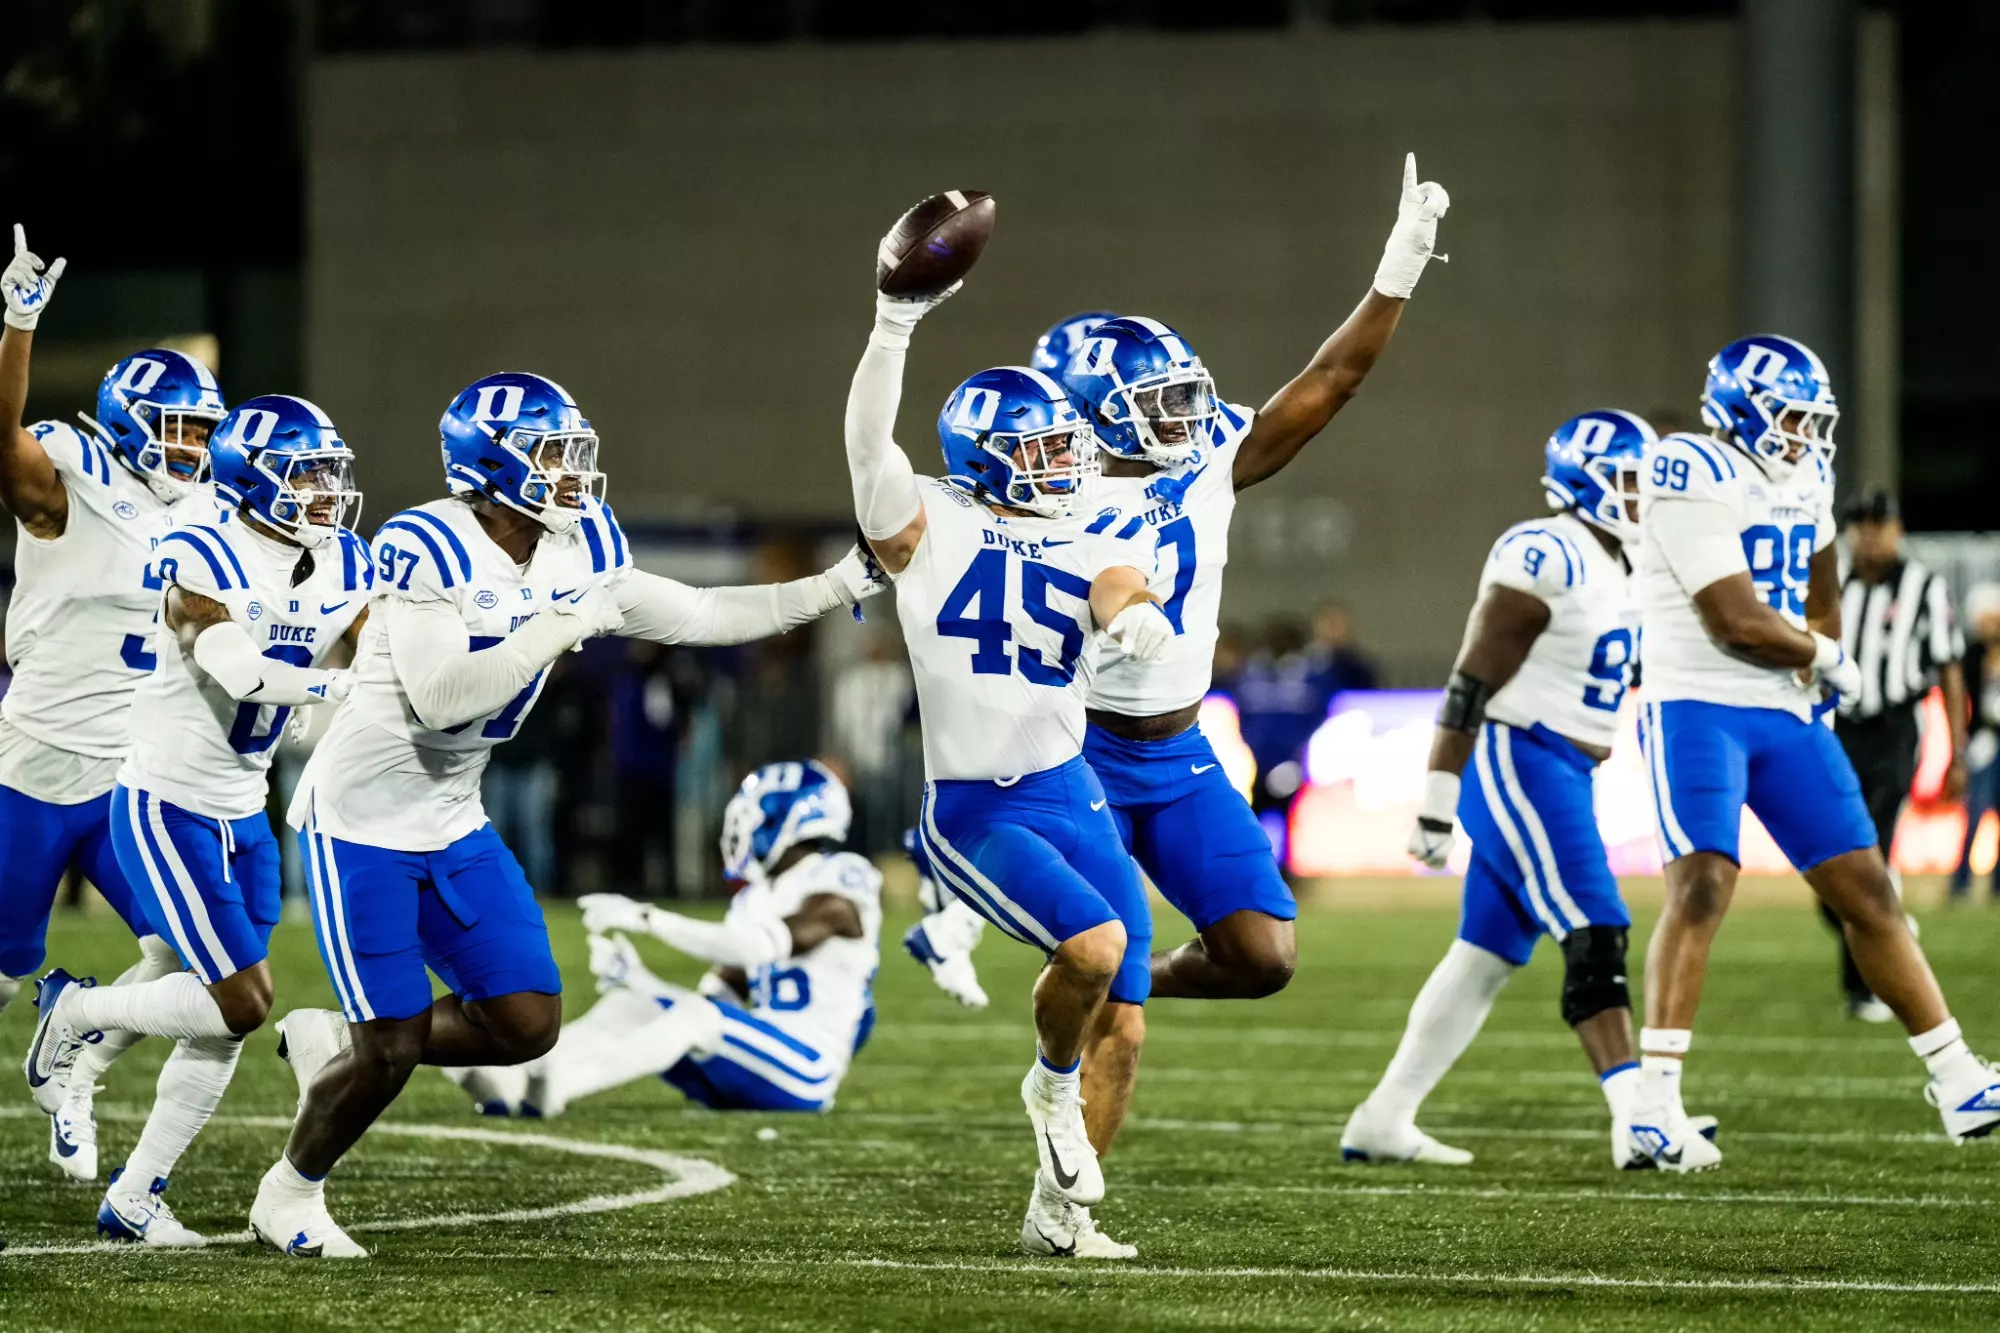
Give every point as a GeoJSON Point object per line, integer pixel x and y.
{"type": "Point", "coordinates": [857, 576]}
{"type": "Point", "coordinates": [25, 284]}
{"type": "Point", "coordinates": [1437, 820]}
{"type": "Point", "coordinates": [1414, 236]}
{"type": "Point", "coordinates": [1142, 630]}
{"type": "Point", "coordinates": [1833, 668]}
{"type": "Point", "coordinates": [896, 317]}
{"type": "Point", "coordinates": [604, 913]}
{"type": "Point", "coordinates": [596, 608]}
{"type": "Point", "coordinates": [339, 684]}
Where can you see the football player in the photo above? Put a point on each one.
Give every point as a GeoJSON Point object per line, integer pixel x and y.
{"type": "Point", "coordinates": [1532, 707]}
{"type": "Point", "coordinates": [1740, 603]}
{"type": "Point", "coordinates": [1000, 590]}
{"type": "Point", "coordinates": [475, 595]}
{"type": "Point", "coordinates": [89, 506]}
{"type": "Point", "coordinates": [788, 1003]}
{"type": "Point", "coordinates": [1174, 461]}
{"type": "Point", "coordinates": [252, 607]}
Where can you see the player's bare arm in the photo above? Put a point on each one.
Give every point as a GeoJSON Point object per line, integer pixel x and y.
{"type": "Point", "coordinates": [1823, 594]}
{"type": "Point", "coordinates": [1129, 614]}
{"type": "Point", "coordinates": [1951, 680]}
{"type": "Point", "coordinates": [1744, 625]}
{"type": "Point", "coordinates": [30, 487]}
{"type": "Point", "coordinates": [189, 613]}
{"type": "Point", "coordinates": [822, 917]}
{"type": "Point", "coordinates": [1302, 409]}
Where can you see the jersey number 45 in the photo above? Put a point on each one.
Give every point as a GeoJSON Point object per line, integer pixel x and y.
{"type": "Point", "coordinates": [976, 609]}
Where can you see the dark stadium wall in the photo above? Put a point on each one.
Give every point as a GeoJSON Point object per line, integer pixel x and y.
{"type": "Point", "coordinates": [685, 237]}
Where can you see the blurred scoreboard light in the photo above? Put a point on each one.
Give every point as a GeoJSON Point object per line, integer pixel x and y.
{"type": "Point", "coordinates": [1364, 779]}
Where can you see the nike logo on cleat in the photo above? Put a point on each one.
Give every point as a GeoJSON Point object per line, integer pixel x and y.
{"type": "Point", "coordinates": [1059, 1251]}
{"type": "Point", "coordinates": [1063, 1179]}
{"type": "Point", "coordinates": [64, 1147]}
{"type": "Point", "coordinates": [1203, 768]}
{"type": "Point", "coordinates": [298, 1246]}
{"type": "Point", "coordinates": [1986, 1099]}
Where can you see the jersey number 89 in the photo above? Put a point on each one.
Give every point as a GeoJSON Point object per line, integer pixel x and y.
{"type": "Point", "coordinates": [976, 609]}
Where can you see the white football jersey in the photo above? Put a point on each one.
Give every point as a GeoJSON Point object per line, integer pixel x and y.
{"type": "Point", "coordinates": [80, 625]}
{"type": "Point", "coordinates": [824, 997]}
{"type": "Point", "coordinates": [192, 744]}
{"type": "Point", "coordinates": [1184, 516]}
{"type": "Point", "coordinates": [996, 615]}
{"type": "Point", "coordinates": [380, 776]}
{"type": "Point", "coordinates": [1783, 524]}
{"type": "Point", "coordinates": [1577, 672]}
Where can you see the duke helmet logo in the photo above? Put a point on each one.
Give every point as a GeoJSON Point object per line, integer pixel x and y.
{"type": "Point", "coordinates": [499, 402]}
{"type": "Point", "coordinates": [487, 598]}
{"type": "Point", "coordinates": [141, 375]}
{"type": "Point", "coordinates": [1761, 365]}
{"type": "Point", "coordinates": [255, 610]}
{"type": "Point", "coordinates": [125, 509]}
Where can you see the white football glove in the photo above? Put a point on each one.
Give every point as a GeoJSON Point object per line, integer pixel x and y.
{"type": "Point", "coordinates": [605, 913]}
{"type": "Point", "coordinates": [26, 285]}
{"type": "Point", "coordinates": [1437, 820]}
{"type": "Point", "coordinates": [1833, 668]}
{"type": "Point", "coordinates": [896, 317]}
{"type": "Point", "coordinates": [857, 575]}
{"type": "Point", "coordinates": [1414, 236]}
{"type": "Point", "coordinates": [1142, 630]}
{"type": "Point", "coordinates": [597, 610]}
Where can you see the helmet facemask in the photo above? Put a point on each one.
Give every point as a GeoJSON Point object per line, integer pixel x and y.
{"type": "Point", "coordinates": [560, 469]}
{"type": "Point", "coordinates": [313, 493]}
{"type": "Point", "coordinates": [171, 456]}
{"type": "Point", "coordinates": [1045, 469]}
{"type": "Point", "coordinates": [1169, 413]}
{"type": "Point", "coordinates": [1617, 507]}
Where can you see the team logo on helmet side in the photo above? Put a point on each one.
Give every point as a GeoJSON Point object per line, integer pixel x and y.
{"type": "Point", "coordinates": [1148, 394]}
{"type": "Point", "coordinates": [1054, 348]}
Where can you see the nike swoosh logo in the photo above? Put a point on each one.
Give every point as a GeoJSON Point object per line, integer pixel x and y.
{"type": "Point", "coordinates": [64, 1147]}
{"type": "Point", "coordinates": [326, 610]}
{"type": "Point", "coordinates": [301, 1249]}
{"type": "Point", "coordinates": [1059, 1251]}
{"type": "Point", "coordinates": [1063, 1179]}
{"type": "Point", "coordinates": [1985, 1101]}
{"type": "Point", "coordinates": [565, 593]}
{"type": "Point", "coordinates": [1098, 805]}
{"type": "Point", "coordinates": [1058, 541]}
{"type": "Point", "coordinates": [1203, 768]}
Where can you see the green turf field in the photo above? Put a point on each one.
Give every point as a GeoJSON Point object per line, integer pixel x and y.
{"type": "Point", "coordinates": [1839, 1205]}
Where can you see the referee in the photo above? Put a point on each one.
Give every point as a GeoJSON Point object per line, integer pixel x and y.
{"type": "Point", "coordinates": [1896, 624]}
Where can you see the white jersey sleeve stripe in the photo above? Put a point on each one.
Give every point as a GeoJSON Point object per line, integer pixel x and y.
{"type": "Point", "coordinates": [187, 537]}
{"type": "Point", "coordinates": [1538, 837]}
{"type": "Point", "coordinates": [427, 525]}
{"type": "Point", "coordinates": [1718, 461]}
{"type": "Point", "coordinates": [1496, 805]}
{"type": "Point", "coordinates": [1569, 554]}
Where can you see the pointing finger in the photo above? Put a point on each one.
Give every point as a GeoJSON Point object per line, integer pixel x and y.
{"type": "Point", "coordinates": [1409, 172]}
{"type": "Point", "coordinates": [20, 238]}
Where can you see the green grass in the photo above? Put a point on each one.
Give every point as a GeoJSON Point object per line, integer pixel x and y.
{"type": "Point", "coordinates": [900, 1209]}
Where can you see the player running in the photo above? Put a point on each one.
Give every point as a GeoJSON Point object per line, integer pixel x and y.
{"type": "Point", "coordinates": [1174, 462]}
{"type": "Point", "coordinates": [89, 505]}
{"type": "Point", "coordinates": [1001, 588]}
{"type": "Point", "coordinates": [253, 606]}
{"type": "Point", "coordinates": [788, 1001]}
{"type": "Point", "coordinates": [475, 596]}
{"type": "Point", "coordinates": [1532, 706]}
{"type": "Point", "coordinates": [1740, 601]}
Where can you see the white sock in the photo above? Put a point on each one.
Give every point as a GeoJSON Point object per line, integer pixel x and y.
{"type": "Point", "coordinates": [1943, 1050]}
{"type": "Point", "coordinates": [595, 1060]}
{"type": "Point", "coordinates": [1447, 1015]}
{"type": "Point", "coordinates": [191, 1086]}
{"type": "Point", "coordinates": [9, 988]}
{"type": "Point", "coordinates": [156, 959]}
{"type": "Point", "coordinates": [1049, 1082]}
{"type": "Point", "coordinates": [1662, 1052]}
{"type": "Point", "coordinates": [288, 1180]}
{"type": "Point", "coordinates": [172, 1006]}
{"type": "Point", "coordinates": [1621, 1089]}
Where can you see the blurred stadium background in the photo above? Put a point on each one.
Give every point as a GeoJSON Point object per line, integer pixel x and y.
{"type": "Point", "coordinates": [671, 207]}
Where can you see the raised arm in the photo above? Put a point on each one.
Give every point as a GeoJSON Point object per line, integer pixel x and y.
{"type": "Point", "coordinates": [30, 487]}
{"type": "Point", "coordinates": [665, 611]}
{"type": "Point", "coordinates": [1302, 409]}
{"type": "Point", "coordinates": [886, 502]}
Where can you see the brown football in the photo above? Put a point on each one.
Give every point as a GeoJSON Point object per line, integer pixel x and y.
{"type": "Point", "coordinates": [934, 244]}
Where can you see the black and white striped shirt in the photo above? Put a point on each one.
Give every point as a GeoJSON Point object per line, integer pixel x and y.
{"type": "Point", "coordinates": [1900, 632]}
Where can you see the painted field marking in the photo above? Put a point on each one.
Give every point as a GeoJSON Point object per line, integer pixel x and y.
{"type": "Point", "coordinates": [684, 1176]}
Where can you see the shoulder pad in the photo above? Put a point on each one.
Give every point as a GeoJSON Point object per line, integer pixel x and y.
{"type": "Point", "coordinates": [74, 453]}
{"type": "Point", "coordinates": [357, 563]}
{"type": "Point", "coordinates": [200, 559]}
{"type": "Point", "coordinates": [1230, 424]}
{"type": "Point", "coordinates": [1536, 558]}
{"type": "Point", "coordinates": [847, 874]}
{"type": "Point", "coordinates": [1689, 466]}
{"type": "Point", "coordinates": [417, 550]}
{"type": "Point", "coordinates": [603, 538]}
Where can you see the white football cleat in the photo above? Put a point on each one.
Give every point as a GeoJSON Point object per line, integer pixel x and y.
{"type": "Point", "coordinates": [73, 1134]}
{"type": "Point", "coordinates": [1969, 1102]}
{"type": "Point", "coordinates": [299, 1228]}
{"type": "Point", "coordinates": [1063, 1230]}
{"type": "Point", "coordinates": [496, 1090]}
{"type": "Point", "coordinates": [1868, 1009]}
{"type": "Point", "coordinates": [141, 1217]}
{"type": "Point", "coordinates": [1627, 1155]}
{"type": "Point", "coordinates": [307, 1040]}
{"type": "Point", "coordinates": [53, 1050]}
{"type": "Point", "coordinates": [540, 1099]}
{"type": "Point", "coordinates": [1666, 1138]}
{"type": "Point", "coordinates": [953, 972]}
{"type": "Point", "coordinates": [1367, 1138]}
{"type": "Point", "coordinates": [1061, 1144]}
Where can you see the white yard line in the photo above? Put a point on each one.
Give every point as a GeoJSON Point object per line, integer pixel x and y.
{"type": "Point", "coordinates": [684, 1176]}
{"type": "Point", "coordinates": [1769, 1198]}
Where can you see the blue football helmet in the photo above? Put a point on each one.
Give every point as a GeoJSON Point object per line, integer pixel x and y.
{"type": "Point", "coordinates": [1771, 397]}
{"type": "Point", "coordinates": [520, 440]}
{"type": "Point", "coordinates": [778, 807]}
{"type": "Point", "coordinates": [1012, 435]}
{"type": "Point", "coordinates": [1149, 395]}
{"type": "Point", "coordinates": [1592, 468]}
{"type": "Point", "coordinates": [156, 410]}
{"type": "Point", "coordinates": [281, 460]}
{"type": "Point", "coordinates": [1054, 348]}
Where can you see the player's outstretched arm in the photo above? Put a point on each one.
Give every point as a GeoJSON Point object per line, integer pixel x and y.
{"type": "Point", "coordinates": [1130, 614]}
{"type": "Point", "coordinates": [886, 502]}
{"type": "Point", "coordinates": [667, 611]}
{"type": "Point", "coordinates": [448, 684]}
{"type": "Point", "coordinates": [30, 487]}
{"type": "Point", "coordinates": [1302, 409]}
{"type": "Point", "coordinates": [747, 941]}
{"type": "Point", "coordinates": [1499, 634]}
{"type": "Point", "coordinates": [224, 649]}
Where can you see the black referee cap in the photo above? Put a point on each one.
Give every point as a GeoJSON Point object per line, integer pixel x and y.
{"type": "Point", "coordinates": [1874, 505]}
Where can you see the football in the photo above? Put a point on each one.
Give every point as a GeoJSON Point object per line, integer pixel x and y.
{"type": "Point", "coordinates": [934, 244]}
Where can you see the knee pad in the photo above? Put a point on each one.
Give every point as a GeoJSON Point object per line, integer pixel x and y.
{"type": "Point", "coordinates": [1594, 973]}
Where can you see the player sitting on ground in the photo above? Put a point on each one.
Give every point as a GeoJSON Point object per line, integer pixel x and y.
{"type": "Point", "coordinates": [89, 507]}
{"type": "Point", "coordinates": [1532, 706]}
{"type": "Point", "coordinates": [252, 606]}
{"type": "Point", "coordinates": [1000, 590]}
{"type": "Point", "coordinates": [788, 1003]}
{"type": "Point", "coordinates": [476, 595]}
{"type": "Point", "coordinates": [1740, 604]}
